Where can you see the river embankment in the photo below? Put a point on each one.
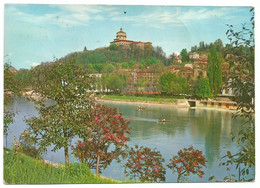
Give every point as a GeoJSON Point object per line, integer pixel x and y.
{"type": "Point", "coordinates": [136, 102]}
{"type": "Point", "coordinates": [179, 103]}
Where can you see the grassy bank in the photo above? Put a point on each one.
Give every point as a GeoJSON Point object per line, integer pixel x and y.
{"type": "Point", "coordinates": [132, 98]}
{"type": "Point", "coordinates": [21, 169]}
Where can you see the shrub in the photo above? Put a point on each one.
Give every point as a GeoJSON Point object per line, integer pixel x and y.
{"type": "Point", "coordinates": [188, 161]}
{"type": "Point", "coordinates": [145, 164]}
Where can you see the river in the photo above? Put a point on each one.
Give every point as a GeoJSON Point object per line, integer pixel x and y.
{"type": "Point", "coordinates": [206, 130]}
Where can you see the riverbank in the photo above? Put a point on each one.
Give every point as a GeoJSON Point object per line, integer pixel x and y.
{"type": "Point", "coordinates": [136, 102]}
{"type": "Point", "coordinates": [139, 102]}
{"type": "Point", "coordinates": [22, 169]}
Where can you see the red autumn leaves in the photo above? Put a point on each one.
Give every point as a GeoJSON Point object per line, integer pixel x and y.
{"type": "Point", "coordinates": [188, 161]}
{"type": "Point", "coordinates": [145, 164]}
{"type": "Point", "coordinates": [107, 130]}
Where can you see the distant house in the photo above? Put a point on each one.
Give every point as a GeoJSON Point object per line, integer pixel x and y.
{"type": "Point", "coordinates": [188, 65]}
{"type": "Point", "coordinates": [174, 69]}
{"type": "Point", "coordinates": [194, 55]}
{"type": "Point", "coordinates": [95, 75]}
{"type": "Point", "coordinates": [12, 69]}
{"type": "Point", "coordinates": [177, 58]}
{"type": "Point", "coordinates": [186, 72]}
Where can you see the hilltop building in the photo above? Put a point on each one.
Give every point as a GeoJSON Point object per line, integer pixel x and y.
{"type": "Point", "coordinates": [120, 40]}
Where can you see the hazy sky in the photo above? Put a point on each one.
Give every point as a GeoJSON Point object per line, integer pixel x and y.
{"type": "Point", "coordinates": [38, 33]}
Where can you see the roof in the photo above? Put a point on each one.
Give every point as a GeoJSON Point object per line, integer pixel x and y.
{"type": "Point", "coordinates": [174, 66]}
{"type": "Point", "coordinates": [116, 40]}
{"type": "Point", "coordinates": [121, 31]}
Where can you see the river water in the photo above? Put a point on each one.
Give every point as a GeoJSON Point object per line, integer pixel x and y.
{"type": "Point", "coordinates": [206, 130]}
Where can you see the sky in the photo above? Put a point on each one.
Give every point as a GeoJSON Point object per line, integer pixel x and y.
{"type": "Point", "coordinates": [35, 33]}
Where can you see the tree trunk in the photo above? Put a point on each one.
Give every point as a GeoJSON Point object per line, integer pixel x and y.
{"type": "Point", "coordinates": [97, 167]}
{"type": "Point", "coordinates": [66, 153]}
{"type": "Point", "coordinates": [179, 177]}
{"type": "Point", "coordinates": [239, 173]}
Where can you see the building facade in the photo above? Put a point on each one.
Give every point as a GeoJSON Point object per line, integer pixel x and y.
{"type": "Point", "coordinates": [120, 40]}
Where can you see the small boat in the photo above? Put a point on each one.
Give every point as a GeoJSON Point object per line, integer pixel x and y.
{"type": "Point", "coordinates": [141, 108]}
{"type": "Point", "coordinates": [163, 121]}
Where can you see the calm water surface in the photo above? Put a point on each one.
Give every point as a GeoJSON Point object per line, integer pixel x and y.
{"type": "Point", "coordinates": [206, 130]}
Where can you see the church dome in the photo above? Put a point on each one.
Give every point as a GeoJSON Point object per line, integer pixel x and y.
{"type": "Point", "coordinates": [121, 35]}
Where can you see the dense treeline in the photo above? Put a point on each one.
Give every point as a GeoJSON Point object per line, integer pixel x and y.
{"type": "Point", "coordinates": [118, 56]}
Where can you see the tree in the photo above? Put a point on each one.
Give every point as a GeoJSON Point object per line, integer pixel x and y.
{"type": "Point", "coordinates": [23, 77]}
{"type": "Point", "coordinates": [98, 67]}
{"type": "Point", "coordinates": [140, 85]}
{"type": "Point", "coordinates": [8, 119]}
{"type": "Point", "coordinates": [203, 89]}
{"type": "Point", "coordinates": [219, 45]}
{"type": "Point", "coordinates": [11, 88]}
{"type": "Point", "coordinates": [148, 49]}
{"type": "Point", "coordinates": [10, 83]}
{"type": "Point", "coordinates": [131, 64]}
{"type": "Point", "coordinates": [109, 68]}
{"type": "Point", "coordinates": [107, 138]}
{"type": "Point", "coordinates": [157, 67]}
{"type": "Point", "coordinates": [173, 84]}
{"type": "Point", "coordinates": [184, 55]}
{"type": "Point", "coordinates": [145, 164]}
{"type": "Point", "coordinates": [113, 47]}
{"type": "Point", "coordinates": [69, 88]}
{"type": "Point", "coordinates": [202, 46]}
{"type": "Point", "coordinates": [125, 65]}
{"type": "Point", "coordinates": [242, 80]}
{"type": "Point", "coordinates": [214, 71]}
{"type": "Point", "coordinates": [189, 161]}
{"type": "Point", "coordinates": [114, 83]}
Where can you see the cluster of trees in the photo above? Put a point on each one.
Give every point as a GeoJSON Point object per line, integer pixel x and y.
{"type": "Point", "coordinates": [173, 84]}
{"type": "Point", "coordinates": [119, 55]}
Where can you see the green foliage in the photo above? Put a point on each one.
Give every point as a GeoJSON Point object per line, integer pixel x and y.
{"type": "Point", "coordinates": [90, 66]}
{"type": "Point", "coordinates": [27, 146]}
{"type": "Point", "coordinates": [125, 65]}
{"type": "Point", "coordinates": [109, 68]}
{"type": "Point", "coordinates": [23, 77]}
{"type": "Point", "coordinates": [184, 55]}
{"type": "Point", "coordinates": [98, 67]}
{"type": "Point", "coordinates": [244, 160]}
{"type": "Point", "coordinates": [11, 85]}
{"type": "Point", "coordinates": [157, 67]}
{"type": "Point", "coordinates": [22, 169]}
{"type": "Point", "coordinates": [11, 88]}
{"type": "Point", "coordinates": [117, 55]}
{"type": "Point", "coordinates": [189, 161]}
{"type": "Point", "coordinates": [141, 84]}
{"type": "Point", "coordinates": [243, 82]}
{"type": "Point", "coordinates": [173, 84]}
{"type": "Point", "coordinates": [114, 83]}
{"type": "Point", "coordinates": [131, 64]}
{"type": "Point", "coordinates": [214, 71]}
{"type": "Point", "coordinates": [67, 86]}
{"type": "Point", "coordinates": [145, 164]}
{"type": "Point", "coordinates": [113, 47]}
{"type": "Point", "coordinates": [203, 89]}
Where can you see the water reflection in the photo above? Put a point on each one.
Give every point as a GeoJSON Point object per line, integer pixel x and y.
{"type": "Point", "coordinates": [206, 130]}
